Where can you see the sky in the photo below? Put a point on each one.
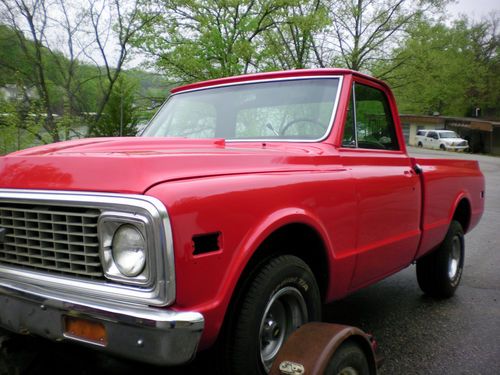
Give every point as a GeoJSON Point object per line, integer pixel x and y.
{"type": "Point", "coordinates": [476, 9]}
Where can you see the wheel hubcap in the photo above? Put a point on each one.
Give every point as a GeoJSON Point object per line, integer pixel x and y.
{"type": "Point", "coordinates": [285, 312]}
{"type": "Point", "coordinates": [455, 255]}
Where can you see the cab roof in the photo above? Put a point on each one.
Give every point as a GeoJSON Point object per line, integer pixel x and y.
{"type": "Point", "coordinates": [273, 75]}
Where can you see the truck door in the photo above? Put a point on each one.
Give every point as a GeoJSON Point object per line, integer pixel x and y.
{"type": "Point", "coordinates": [432, 140]}
{"type": "Point", "coordinates": [387, 187]}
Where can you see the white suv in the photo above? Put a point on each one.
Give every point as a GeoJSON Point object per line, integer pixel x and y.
{"type": "Point", "coordinates": [441, 139]}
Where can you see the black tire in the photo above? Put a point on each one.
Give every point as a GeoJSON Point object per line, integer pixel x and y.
{"type": "Point", "coordinates": [439, 272]}
{"type": "Point", "coordinates": [420, 144]}
{"type": "Point", "coordinates": [442, 147]}
{"type": "Point", "coordinates": [284, 286]}
{"type": "Point", "coordinates": [348, 359]}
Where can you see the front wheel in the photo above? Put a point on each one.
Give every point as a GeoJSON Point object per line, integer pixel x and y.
{"type": "Point", "coordinates": [442, 147]}
{"type": "Point", "coordinates": [282, 296]}
{"type": "Point", "coordinates": [439, 272]}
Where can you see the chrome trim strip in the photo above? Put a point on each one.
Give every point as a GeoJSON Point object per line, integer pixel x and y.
{"type": "Point", "coordinates": [161, 293]}
{"type": "Point", "coordinates": [327, 132]}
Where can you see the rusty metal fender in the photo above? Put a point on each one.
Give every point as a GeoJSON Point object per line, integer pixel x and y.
{"type": "Point", "coordinates": [309, 349]}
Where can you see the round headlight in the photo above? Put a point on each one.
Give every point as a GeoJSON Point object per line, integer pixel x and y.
{"type": "Point", "coordinates": [129, 250]}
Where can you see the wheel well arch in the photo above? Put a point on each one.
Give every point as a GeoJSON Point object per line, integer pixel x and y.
{"type": "Point", "coordinates": [289, 239]}
{"type": "Point", "coordinates": [297, 239]}
{"type": "Point", "coordinates": [462, 213]}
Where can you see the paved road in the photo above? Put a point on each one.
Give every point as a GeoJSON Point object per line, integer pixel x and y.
{"type": "Point", "coordinates": [416, 334]}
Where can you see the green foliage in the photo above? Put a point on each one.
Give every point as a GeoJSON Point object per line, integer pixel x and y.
{"type": "Point", "coordinates": [120, 115]}
{"type": "Point", "coordinates": [20, 126]}
{"type": "Point", "coordinates": [446, 69]}
{"type": "Point", "coordinates": [202, 39]}
{"type": "Point", "coordinates": [364, 31]}
{"type": "Point", "coordinates": [74, 106]}
{"type": "Point", "coordinates": [291, 43]}
{"type": "Point", "coordinates": [12, 59]}
{"type": "Point", "coordinates": [9, 128]}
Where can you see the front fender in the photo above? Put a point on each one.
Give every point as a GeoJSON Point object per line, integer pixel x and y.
{"type": "Point", "coordinates": [243, 210]}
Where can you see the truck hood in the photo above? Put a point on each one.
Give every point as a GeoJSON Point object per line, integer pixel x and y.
{"type": "Point", "coordinates": [133, 165]}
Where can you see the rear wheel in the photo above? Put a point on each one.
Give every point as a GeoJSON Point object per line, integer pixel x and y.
{"type": "Point", "coordinates": [282, 296]}
{"type": "Point", "coordinates": [420, 144]}
{"type": "Point", "coordinates": [439, 272]}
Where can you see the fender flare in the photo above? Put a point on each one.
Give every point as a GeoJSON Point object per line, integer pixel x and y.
{"type": "Point", "coordinates": [254, 239]}
{"type": "Point", "coordinates": [456, 202]}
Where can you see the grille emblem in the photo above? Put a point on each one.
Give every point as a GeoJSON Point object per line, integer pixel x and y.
{"type": "Point", "coordinates": [3, 232]}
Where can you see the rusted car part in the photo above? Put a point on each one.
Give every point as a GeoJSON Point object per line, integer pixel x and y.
{"type": "Point", "coordinates": [329, 349]}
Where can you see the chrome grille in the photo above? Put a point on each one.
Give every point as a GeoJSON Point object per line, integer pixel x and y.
{"type": "Point", "coordinates": [55, 239]}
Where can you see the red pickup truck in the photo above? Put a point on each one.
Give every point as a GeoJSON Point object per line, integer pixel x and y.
{"type": "Point", "coordinates": [246, 203]}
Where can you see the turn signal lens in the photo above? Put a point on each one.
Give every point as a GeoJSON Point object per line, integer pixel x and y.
{"type": "Point", "coordinates": [85, 330]}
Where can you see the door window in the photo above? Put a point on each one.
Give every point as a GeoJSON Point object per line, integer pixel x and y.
{"type": "Point", "coordinates": [432, 135]}
{"type": "Point", "coordinates": [370, 120]}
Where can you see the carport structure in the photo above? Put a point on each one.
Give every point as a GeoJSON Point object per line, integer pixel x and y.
{"type": "Point", "coordinates": [483, 135]}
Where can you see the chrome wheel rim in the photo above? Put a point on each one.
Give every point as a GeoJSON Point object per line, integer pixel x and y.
{"type": "Point", "coordinates": [455, 255]}
{"type": "Point", "coordinates": [285, 312]}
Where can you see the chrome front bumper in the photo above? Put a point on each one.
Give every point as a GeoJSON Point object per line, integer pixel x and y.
{"type": "Point", "coordinates": [153, 335]}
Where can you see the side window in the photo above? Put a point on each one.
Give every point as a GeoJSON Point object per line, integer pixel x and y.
{"type": "Point", "coordinates": [432, 135]}
{"type": "Point", "coordinates": [421, 132]}
{"type": "Point", "coordinates": [349, 137]}
{"type": "Point", "coordinates": [374, 124]}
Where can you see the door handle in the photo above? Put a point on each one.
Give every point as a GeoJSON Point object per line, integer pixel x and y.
{"type": "Point", "coordinates": [417, 169]}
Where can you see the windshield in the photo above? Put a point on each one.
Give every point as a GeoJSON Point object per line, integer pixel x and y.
{"type": "Point", "coordinates": [449, 134]}
{"type": "Point", "coordinates": [297, 109]}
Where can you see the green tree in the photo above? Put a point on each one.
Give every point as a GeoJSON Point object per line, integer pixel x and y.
{"type": "Point", "coordinates": [365, 31]}
{"type": "Point", "coordinates": [20, 125]}
{"type": "Point", "coordinates": [446, 69]}
{"type": "Point", "coordinates": [30, 18]}
{"type": "Point", "coordinates": [291, 43]}
{"type": "Point", "coordinates": [50, 39]}
{"type": "Point", "coordinates": [201, 39]}
{"type": "Point", "coordinates": [120, 116]}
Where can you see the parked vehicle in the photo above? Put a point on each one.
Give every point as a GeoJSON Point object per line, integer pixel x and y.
{"type": "Point", "coordinates": [247, 203]}
{"type": "Point", "coordinates": [441, 140]}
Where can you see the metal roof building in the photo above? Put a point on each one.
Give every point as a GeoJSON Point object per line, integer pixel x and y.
{"type": "Point", "coordinates": [483, 135]}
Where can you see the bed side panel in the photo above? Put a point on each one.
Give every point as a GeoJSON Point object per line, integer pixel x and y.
{"type": "Point", "coordinates": [446, 182]}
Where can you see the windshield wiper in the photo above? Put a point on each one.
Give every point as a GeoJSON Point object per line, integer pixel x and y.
{"type": "Point", "coordinates": [270, 127]}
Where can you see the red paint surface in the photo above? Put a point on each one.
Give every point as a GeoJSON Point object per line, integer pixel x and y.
{"type": "Point", "coordinates": [370, 208]}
